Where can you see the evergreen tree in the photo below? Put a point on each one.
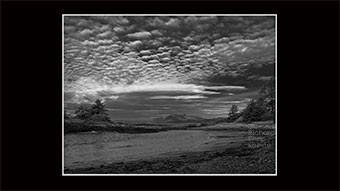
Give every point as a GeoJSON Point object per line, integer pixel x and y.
{"type": "Point", "coordinates": [233, 110]}
{"type": "Point", "coordinates": [264, 107]}
{"type": "Point", "coordinates": [98, 107]}
{"type": "Point", "coordinates": [254, 111]}
{"type": "Point", "coordinates": [233, 113]}
{"type": "Point", "coordinates": [268, 95]}
{"type": "Point", "coordinates": [98, 112]}
{"type": "Point", "coordinates": [83, 112]}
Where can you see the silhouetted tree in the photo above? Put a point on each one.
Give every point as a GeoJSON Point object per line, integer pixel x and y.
{"type": "Point", "coordinates": [268, 95]}
{"type": "Point", "coordinates": [98, 107]}
{"type": "Point", "coordinates": [98, 111]}
{"type": "Point", "coordinates": [233, 113]}
{"type": "Point", "coordinates": [264, 107]}
{"type": "Point", "coordinates": [254, 111]}
{"type": "Point", "coordinates": [83, 112]}
{"type": "Point", "coordinates": [233, 110]}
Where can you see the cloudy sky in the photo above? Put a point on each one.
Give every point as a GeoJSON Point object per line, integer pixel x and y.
{"type": "Point", "coordinates": [149, 66]}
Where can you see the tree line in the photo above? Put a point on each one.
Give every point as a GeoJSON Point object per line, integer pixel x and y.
{"type": "Point", "coordinates": [259, 109]}
{"type": "Point", "coordinates": [95, 112]}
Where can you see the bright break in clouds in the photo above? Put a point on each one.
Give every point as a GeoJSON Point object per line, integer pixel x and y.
{"type": "Point", "coordinates": [149, 66]}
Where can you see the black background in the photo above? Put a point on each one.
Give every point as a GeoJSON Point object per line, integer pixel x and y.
{"type": "Point", "coordinates": [308, 96]}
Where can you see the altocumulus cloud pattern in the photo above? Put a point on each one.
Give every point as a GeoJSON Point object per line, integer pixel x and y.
{"type": "Point", "coordinates": [166, 63]}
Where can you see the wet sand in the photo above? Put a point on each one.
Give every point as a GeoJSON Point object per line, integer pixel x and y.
{"type": "Point", "coordinates": [96, 149]}
{"type": "Point", "coordinates": [218, 149]}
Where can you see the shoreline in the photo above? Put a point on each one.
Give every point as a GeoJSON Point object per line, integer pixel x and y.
{"type": "Point", "coordinates": [244, 159]}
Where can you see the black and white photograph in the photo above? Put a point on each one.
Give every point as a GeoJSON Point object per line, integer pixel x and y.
{"type": "Point", "coordinates": [169, 94]}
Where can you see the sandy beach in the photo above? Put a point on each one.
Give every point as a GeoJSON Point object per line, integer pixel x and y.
{"type": "Point", "coordinates": [209, 150]}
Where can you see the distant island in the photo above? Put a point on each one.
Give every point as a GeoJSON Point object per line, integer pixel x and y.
{"type": "Point", "coordinates": [179, 118]}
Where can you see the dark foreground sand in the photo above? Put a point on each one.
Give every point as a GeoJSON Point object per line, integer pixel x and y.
{"type": "Point", "coordinates": [230, 161]}
{"type": "Point", "coordinates": [251, 157]}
